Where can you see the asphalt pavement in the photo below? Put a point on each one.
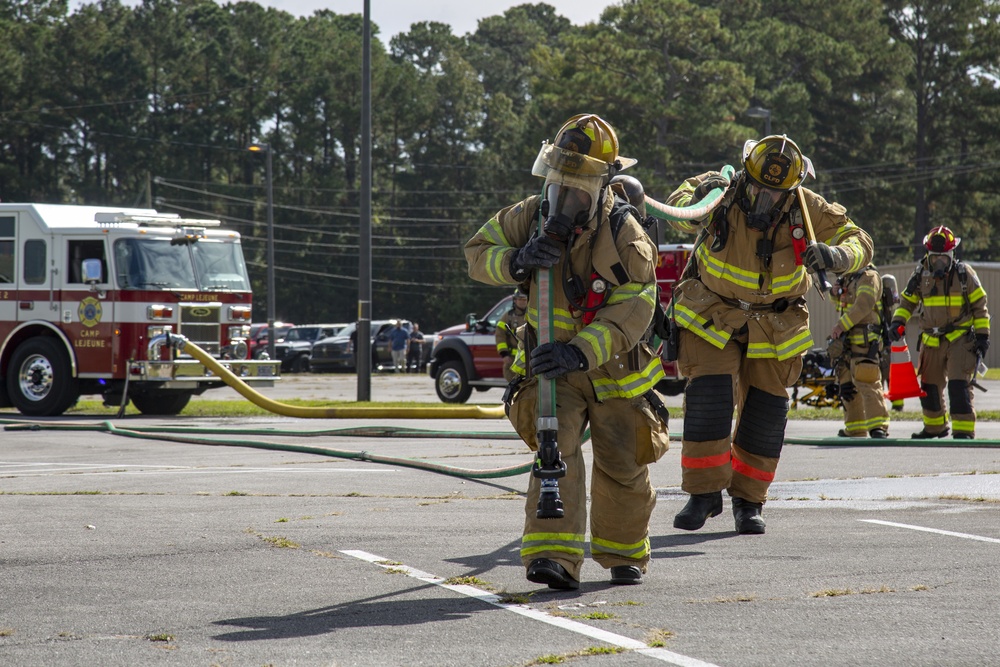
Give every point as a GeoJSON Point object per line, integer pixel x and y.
{"type": "Point", "coordinates": [254, 548]}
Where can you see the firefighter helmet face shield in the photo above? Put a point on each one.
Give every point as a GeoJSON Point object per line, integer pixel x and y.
{"type": "Point", "coordinates": [576, 168]}
{"type": "Point", "coordinates": [573, 185]}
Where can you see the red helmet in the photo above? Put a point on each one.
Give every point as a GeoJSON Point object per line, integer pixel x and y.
{"type": "Point", "coordinates": [941, 240]}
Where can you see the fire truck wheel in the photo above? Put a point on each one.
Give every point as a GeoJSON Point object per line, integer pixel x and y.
{"type": "Point", "coordinates": [452, 383]}
{"type": "Point", "coordinates": [161, 403]}
{"type": "Point", "coordinates": [40, 382]}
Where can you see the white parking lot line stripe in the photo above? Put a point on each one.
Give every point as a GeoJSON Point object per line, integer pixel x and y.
{"type": "Point", "coordinates": [523, 610]}
{"type": "Point", "coordinates": [966, 536]}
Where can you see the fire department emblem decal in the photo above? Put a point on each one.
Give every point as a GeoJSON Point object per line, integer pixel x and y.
{"type": "Point", "coordinates": [90, 311]}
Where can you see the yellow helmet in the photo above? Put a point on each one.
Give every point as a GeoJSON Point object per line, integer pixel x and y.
{"type": "Point", "coordinates": [776, 162]}
{"type": "Point", "coordinates": [591, 135]}
{"type": "Point", "coordinates": [578, 166]}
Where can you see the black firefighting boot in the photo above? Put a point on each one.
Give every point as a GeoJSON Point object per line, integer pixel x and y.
{"type": "Point", "coordinates": [551, 573]}
{"type": "Point", "coordinates": [923, 435]}
{"type": "Point", "coordinates": [626, 575]}
{"type": "Point", "coordinates": [748, 518]}
{"type": "Point", "coordinates": [699, 508]}
{"type": "Point", "coordinates": [878, 433]}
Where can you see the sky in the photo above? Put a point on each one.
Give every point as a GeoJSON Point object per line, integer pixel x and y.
{"type": "Point", "coordinates": [395, 16]}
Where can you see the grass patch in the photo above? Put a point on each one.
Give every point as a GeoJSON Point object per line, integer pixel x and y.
{"type": "Point", "coordinates": [658, 637]}
{"type": "Point", "coordinates": [470, 581]}
{"type": "Point", "coordinates": [160, 637]}
{"type": "Point", "coordinates": [597, 616]}
{"type": "Point", "coordinates": [201, 407]}
{"type": "Point", "coordinates": [514, 598]}
{"type": "Point", "coordinates": [832, 593]}
{"type": "Point", "coordinates": [281, 542]}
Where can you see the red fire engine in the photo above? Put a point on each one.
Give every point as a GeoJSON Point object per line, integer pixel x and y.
{"type": "Point", "coordinates": [87, 292]}
{"type": "Point", "coordinates": [672, 260]}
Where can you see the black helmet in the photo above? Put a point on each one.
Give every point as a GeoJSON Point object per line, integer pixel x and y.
{"type": "Point", "coordinates": [634, 191]}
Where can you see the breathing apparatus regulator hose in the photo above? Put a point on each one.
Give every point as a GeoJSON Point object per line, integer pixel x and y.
{"type": "Point", "coordinates": [695, 211]}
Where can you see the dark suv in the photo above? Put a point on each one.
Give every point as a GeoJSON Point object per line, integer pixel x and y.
{"type": "Point", "coordinates": [339, 352]}
{"type": "Point", "coordinates": [296, 349]}
{"type": "Point", "coordinates": [465, 356]}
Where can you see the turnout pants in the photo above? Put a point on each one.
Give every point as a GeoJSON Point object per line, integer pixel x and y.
{"type": "Point", "coordinates": [951, 364]}
{"type": "Point", "coordinates": [713, 459]}
{"type": "Point", "coordinates": [622, 496]}
{"type": "Point", "coordinates": [866, 409]}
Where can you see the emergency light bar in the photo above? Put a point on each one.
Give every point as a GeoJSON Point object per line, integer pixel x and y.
{"type": "Point", "coordinates": [158, 220]}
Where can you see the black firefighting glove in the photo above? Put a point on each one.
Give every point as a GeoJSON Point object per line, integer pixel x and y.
{"type": "Point", "coordinates": [820, 257]}
{"type": "Point", "coordinates": [540, 252]}
{"type": "Point", "coordinates": [709, 184]}
{"type": "Point", "coordinates": [897, 329]}
{"type": "Point", "coordinates": [847, 392]}
{"type": "Point", "coordinates": [982, 344]}
{"type": "Point", "coordinates": [557, 359]}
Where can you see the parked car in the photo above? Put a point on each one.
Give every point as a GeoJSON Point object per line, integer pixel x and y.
{"type": "Point", "coordinates": [340, 352]}
{"type": "Point", "coordinates": [465, 356]}
{"type": "Point", "coordinates": [257, 342]}
{"type": "Point", "coordinates": [295, 350]}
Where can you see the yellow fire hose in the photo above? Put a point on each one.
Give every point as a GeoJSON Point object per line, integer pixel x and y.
{"type": "Point", "coordinates": [346, 412]}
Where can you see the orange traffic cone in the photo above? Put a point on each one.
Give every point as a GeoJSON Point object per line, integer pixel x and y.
{"type": "Point", "coordinates": [902, 375]}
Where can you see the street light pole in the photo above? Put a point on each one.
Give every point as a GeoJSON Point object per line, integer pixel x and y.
{"type": "Point", "coordinates": [271, 300]}
{"type": "Point", "coordinates": [761, 112]}
{"type": "Point", "coordinates": [364, 342]}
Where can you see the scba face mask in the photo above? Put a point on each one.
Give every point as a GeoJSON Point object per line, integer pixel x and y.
{"type": "Point", "coordinates": [939, 263]}
{"type": "Point", "coordinates": [566, 208]}
{"type": "Point", "coordinates": [761, 205]}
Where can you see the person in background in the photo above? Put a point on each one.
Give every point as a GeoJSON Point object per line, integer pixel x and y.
{"type": "Point", "coordinates": [949, 302]}
{"type": "Point", "coordinates": [415, 350]}
{"type": "Point", "coordinates": [855, 350]}
{"type": "Point", "coordinates": [398, 339]}
{"type": "Point", "coordinates": [743, 321]}
{"type": "Point", "coordinates": [506, 333]}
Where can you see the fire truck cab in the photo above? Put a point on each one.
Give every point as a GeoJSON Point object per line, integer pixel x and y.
{"type": "Point", "coordinates": [86, 293]}
{"type": "Point", "coordinates": [672, 259]}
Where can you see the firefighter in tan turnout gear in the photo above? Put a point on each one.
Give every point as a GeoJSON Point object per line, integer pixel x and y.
{"type": "Point", "coordinates": [506, 333]}
{"type": "Point", "coordinates": [743, 322]}
{"type": "Point", "coordinates": [856, 351]}
{"type": "Point", "coordinates": [604, 294]}
{"type": "Point", "coordinates": [950, 305]}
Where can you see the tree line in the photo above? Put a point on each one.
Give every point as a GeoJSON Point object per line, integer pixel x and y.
{"type": "Point", "coordinates": [897, 104]}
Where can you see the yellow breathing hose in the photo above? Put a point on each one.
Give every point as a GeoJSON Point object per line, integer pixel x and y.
{"type": "Point", "coordinates": [346, 412]}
